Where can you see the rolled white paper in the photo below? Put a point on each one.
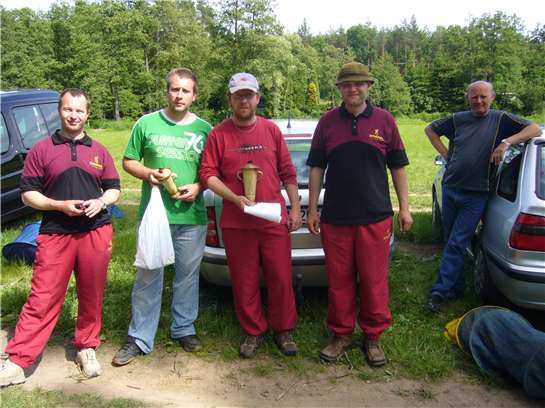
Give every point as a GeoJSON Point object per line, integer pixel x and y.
{"type": "Point", "coordinates": [268, 211]}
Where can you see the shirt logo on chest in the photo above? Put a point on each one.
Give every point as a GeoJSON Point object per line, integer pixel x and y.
{"type": "Point", "coordinates": [376, 135]}
{"type": "Point", "coordinates": [250, 148]}
{"type": "Point", "coordinates": [95, 163]}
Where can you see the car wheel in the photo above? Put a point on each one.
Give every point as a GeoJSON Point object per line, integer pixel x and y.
{"type": "Point", "coordinates": [484, 286]}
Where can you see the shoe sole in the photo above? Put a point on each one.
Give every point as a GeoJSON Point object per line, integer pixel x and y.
{"type": "Point", "coordinates": [378, 363]}
{"type": "Point", "coordinates": [16, 381]}
{"type": "Point", "coordinates": [192, 349]}
{"type": "Point", "coordinates": [117, 363]}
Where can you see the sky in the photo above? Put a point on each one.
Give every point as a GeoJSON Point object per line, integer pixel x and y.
{"type": "Point", "coordinates": [323, 15]}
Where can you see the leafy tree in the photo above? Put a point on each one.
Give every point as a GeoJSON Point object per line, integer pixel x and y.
{"type": "Point", "coordinates": [390, 91]}
{"type": "Point", "coordinates": [498, 49]}
{"type": "Point", "coordinates": [25, 65]}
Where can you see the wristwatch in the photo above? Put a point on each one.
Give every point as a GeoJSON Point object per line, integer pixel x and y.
{"type": "Point", "coordinates": [103, 203]}
{"type": "Point", "coordinates": [504, 141]}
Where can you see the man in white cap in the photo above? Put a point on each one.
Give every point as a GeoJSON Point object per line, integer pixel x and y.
{"type": "Point", "coordinates": [252, 243]}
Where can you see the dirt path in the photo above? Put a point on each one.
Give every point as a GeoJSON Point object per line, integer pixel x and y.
{"type": "Point", "coordinates": [181, 380]}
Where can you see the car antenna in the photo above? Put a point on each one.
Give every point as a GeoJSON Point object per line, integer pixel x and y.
{"type": "Point", "coordinates": [289, 120]}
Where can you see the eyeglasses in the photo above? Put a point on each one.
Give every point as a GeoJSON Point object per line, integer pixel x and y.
{"type": "Point", "coordinates": [246, 96]}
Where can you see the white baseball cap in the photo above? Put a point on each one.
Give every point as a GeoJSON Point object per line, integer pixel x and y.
{"type": "Point", "coordinates": [243, 80]}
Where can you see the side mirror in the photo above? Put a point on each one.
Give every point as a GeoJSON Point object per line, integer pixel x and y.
{"type": "Point", "coordinates": [439, 161]}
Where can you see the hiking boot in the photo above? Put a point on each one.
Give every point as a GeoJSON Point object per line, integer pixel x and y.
{"type": "Point", "coordinates": [248, 349]}
{"type": "Point", "coordinates": [284, 342]}
{"type": "Point", "coordinates": [87, 361]}
{"type": "Point", "coordinates": [128, 352]}
{"type": "Point", "coordinates": [337, 346]}
{"type": "Point", "coordinates": [374, 353]}
{"type": "Point", "coordinates": [435, 302]}
{"type": "Point", "coordinates": [11, 373]}
{"type": "Point", "coordinates": [190, 343]}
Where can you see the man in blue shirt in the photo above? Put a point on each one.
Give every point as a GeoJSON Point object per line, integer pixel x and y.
{"type": "Point", "coordinates": [477, 138]}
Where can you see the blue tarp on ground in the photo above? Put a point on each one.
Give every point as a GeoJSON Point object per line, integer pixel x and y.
{"type": "Point", "coordinates": [23, 248]}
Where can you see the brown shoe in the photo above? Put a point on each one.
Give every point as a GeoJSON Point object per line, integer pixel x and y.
{"type": "Point", "coordinates": [284, 342]}
{"type": "Point", "coordinates": [336, 347]}
{"type": "Point", "coordinates": [374, 353]}
{"type": "Point", "coordinates": [248, 349]}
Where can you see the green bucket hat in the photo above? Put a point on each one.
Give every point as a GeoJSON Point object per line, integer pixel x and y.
{"type": "Point", "coordinates": [354, 72]}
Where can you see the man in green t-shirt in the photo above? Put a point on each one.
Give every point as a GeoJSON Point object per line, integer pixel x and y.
{"type": "Point", "coordinates": [171, 138]}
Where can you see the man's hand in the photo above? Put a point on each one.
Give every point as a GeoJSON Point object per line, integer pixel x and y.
{"type": "Point", "coordinates": [72, 208]}
{"type": "Point", "coordinates": [313, 222]}
{"type": "Point", "coordinates": [188, 192]}
{"type": "Point", "coordinates": [241, 201]}
{"type": "Point", "coordinates": [92, 207]}
{"type": "Point", "coordinates": [404, 220]}
{"type": "Point", "coordinates": [155, 177]}
{"type": "Point", "coordinates": [294, 219]}
{"type": "Point", "coordinates": [498, 154]}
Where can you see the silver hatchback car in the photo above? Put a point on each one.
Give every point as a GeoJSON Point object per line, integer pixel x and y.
{"type": "Point", "coordinates": [307, 253]}
{"type": "Point", "coordinates": [509, 245]}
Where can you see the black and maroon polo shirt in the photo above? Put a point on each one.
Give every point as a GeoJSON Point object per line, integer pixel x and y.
{"type": "Point", "coordinates": [356, 150]}
{"type": "Point", "coordinates": [63, 169]}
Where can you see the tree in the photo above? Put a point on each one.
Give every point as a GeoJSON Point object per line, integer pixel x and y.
{"type": "Point", "coordinates": [390, 91]}
{"type": "Point", "coordinates": [24, 65]}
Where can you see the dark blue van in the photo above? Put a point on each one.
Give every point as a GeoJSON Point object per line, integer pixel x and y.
{"type": "Point", "coordinates": [27, 117]}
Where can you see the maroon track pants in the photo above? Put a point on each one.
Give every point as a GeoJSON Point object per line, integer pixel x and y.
{"type": "Point", "coordinates": [270, 248]}
{"type": "Point", "coordinates": [57, 255]}
{"type": "Point", "coordinates": [357, 251]}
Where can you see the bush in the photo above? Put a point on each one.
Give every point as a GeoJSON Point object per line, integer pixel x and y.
{"type": "Point", "coordinates": [123, 124]}
{"type": "Point", "coordinates": [428, 117]}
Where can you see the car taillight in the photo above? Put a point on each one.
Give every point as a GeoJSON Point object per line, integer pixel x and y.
{"type": "Point", "coordinates": [528, 233]}
{"type": "Point", "coordinates": [212, 238]}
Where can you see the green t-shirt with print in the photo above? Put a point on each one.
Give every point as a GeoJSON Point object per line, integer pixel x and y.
{"type": "Point", "coordinates": [162, 143]}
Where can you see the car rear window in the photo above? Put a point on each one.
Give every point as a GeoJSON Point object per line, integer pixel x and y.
{"type": "Point", "coordinates": [4, 137]}
{"type": "Point", "coordinates": [541, 172]}
{"type": "Point", "coordinates": [51, 114]}
{"type": "Point", "coordinates": [31, 124]}
{"type": "Point", "coordinates": [299, 153]}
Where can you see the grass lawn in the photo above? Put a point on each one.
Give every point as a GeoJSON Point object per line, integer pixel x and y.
{"type": "Point", "coordinates": [414, 344]}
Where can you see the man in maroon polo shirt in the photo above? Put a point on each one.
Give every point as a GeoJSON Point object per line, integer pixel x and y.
{"type": "Point", "coordinates": [357, 142]}
{"type": "Point", "coordinates": [72, 179]}
{"type": "Point", "coordinates": [252, 243]}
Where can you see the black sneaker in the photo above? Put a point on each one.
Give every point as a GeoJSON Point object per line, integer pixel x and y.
{"type": "Point", "coordinates": [190, 343]}
{"type": "Point", "coordinates": [435, 302]}
{"type": "Point", "coordinates": [128, 352]}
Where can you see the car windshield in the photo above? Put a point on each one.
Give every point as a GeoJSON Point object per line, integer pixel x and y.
{"type": "Point", "coordinates": [299, 152]}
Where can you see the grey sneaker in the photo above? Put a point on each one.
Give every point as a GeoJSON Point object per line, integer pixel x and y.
{"type": "Point", "coordinates": [128, 352]}
{"type": "Point", "coordinates": [86, 359]}
{"type": "Point", "coordinates": [11, 373]}
{"type": "Point", "coordinates": [336, 347]}
{"type": "Point", "coordinates": [248, 349]}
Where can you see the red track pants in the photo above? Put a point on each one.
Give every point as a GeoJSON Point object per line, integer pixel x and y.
{"type": "Point", "coordinates": [270, 248]}
{"type": "Point", "coordinates": [353, 251]}
{"type": "Point", "coordinates": [57, 255]}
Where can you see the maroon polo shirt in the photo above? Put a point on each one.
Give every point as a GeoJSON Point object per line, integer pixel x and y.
{"type": "Point", "coordinates": [63, 169]}
{"type": "Point", "coordinates": [356, 150]}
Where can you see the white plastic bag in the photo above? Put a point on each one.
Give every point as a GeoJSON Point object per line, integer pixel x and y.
{"type": "Point", "coordinates": [154, 247]}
